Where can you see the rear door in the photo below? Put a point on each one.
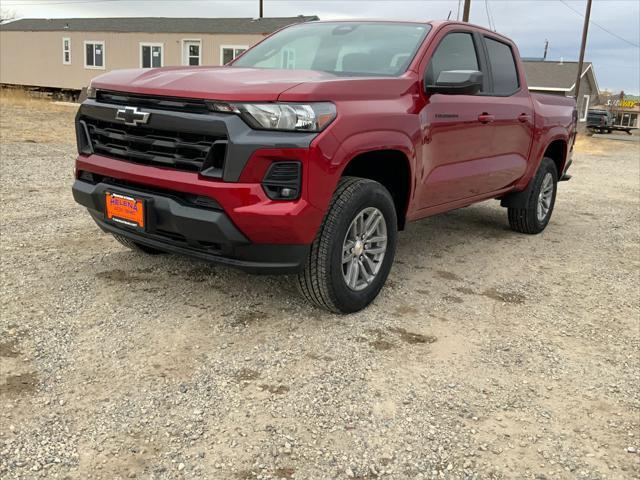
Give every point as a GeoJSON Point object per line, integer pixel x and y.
{"type": "Point", "coordinates": [509, 104]}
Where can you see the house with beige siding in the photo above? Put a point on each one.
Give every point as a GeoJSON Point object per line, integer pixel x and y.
{"type": "Point", "coordinates": [67, 53]}
{"type": "Point", "coordinates": [559, 78]}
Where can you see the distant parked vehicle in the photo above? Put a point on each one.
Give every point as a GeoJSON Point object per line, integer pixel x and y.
{"type": "Point", "coordinates": [600, 121]}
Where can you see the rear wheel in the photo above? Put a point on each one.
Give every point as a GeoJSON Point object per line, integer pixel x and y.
{"type": "Point", "coordinates": [135, 246]}
{"type": "Point", "coordinates": [535, 216]}
{"type": "Point", "coordinates": [352, 254]}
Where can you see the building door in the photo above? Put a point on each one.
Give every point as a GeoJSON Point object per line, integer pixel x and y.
{"type": "Point", "coordinates": [191, 52]}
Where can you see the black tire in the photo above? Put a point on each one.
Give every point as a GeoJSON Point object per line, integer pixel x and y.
{"type": "Point", "coordinates": [322, 281]}
{"type": "Point", "coordinates": [135, 246]}
{"type": "Point", "coordinates": [525, 220]}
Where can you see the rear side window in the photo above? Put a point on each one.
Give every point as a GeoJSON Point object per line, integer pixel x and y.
{"type": "Point", "coordinates": [456, 51]}
{"type": "Point", "coordinates": [503, 67]}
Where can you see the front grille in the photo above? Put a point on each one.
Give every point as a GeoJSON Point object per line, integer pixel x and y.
{"type": "Point", "coordinates": [179, 150]}
{"type": "Point", "coordinates": [184, 105]}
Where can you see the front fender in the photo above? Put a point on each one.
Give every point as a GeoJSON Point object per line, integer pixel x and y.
{"type": "Point", "coordinates": [325, 172]}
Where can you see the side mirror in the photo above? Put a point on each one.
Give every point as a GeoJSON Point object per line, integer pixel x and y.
{"type": "Point", "coordinates": [457, 82]}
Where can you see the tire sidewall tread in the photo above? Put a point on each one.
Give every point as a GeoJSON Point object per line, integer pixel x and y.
{"type": "Point", "coordinates": [321, 280]}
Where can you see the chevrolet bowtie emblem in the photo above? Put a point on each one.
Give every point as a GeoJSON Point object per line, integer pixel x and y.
{"type": "Point", "coordinates": [132, 116]}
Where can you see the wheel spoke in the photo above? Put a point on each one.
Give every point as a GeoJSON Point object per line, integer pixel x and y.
{"type": "Point", "coordinates": [355, 274]}
{"type": "Point", "coordinates": [372, 223]}
{"type": "Point", "coordinates": [347, 251]}
{"type": "Point", "coordinates": [360, 225]}
{"type": "Point", "coordinates": [365, 274]}
{"type": "Point", "coordinates": [379, 239]}
{"type": "Point", "coordinates": [373, 227]}
{"type": "Point", "coordinates": [370, 263]}
{"type": "Point", "coordinates": [376, 250]}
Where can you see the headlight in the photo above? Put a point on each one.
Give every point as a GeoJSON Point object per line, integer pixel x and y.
{"type": "Point", "coordinates": [310, 117]}
{"type": "Point", "coordinates": [91, 92]}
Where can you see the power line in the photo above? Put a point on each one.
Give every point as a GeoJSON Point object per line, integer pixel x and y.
{"type": "Point", "coordinates": [492, 25]}
{"type": "Point", "coordinates": [600, 26]}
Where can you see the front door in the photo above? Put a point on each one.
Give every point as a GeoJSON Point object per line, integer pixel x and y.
{"type": "Point", "coordinates": [457, 138]}
{"type": "Point", "coordinates": [191, 52]}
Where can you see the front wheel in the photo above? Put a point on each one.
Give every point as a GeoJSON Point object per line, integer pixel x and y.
{"type": "Point", "coordinates": [535, 215]}
{"type": "Point", "coordinates": [352, 254]}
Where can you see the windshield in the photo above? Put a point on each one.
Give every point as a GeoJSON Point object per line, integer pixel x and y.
{"type": "Point", "coordinates": [342, 48]}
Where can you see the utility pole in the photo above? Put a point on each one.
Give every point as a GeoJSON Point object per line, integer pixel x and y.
{"type": "Point", "coordinates": [583, 46]}
{"type": "Point", "coordinates": [261, 9]}
{"type": "Point", "coordinates": [546, 49]}
{"type": "Point", "coordinates": [467, 8]}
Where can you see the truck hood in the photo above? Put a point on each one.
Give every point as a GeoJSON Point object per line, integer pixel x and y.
{"type": "Point", "coordinates": [215, 83]}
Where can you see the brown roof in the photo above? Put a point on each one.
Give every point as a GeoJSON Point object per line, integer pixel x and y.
{"type": "Point", "coordinates": [156, 24]}
{"type": "Point", "coordinates": [552, 74]}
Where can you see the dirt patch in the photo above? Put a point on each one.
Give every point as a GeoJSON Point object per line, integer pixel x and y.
{"type": "Point", "coordinates": [466, 290]}
{"type": "Point", "coordinates": [246, 375]}
{"type": "Point", "coordinates": [246, 318]}
{"type": "Point", "coordinates": [410, 337]}
{"type": "Point", "coordinates": [505, 296]}
{"type": "Point", "coordinates": [448, 275]}
{"type": "Point", "coordinates": [9, 349]}
{"type": "Point", "coordinates": [17, 385]}
{"type": "Point", "coordinates": [406, 310]}
{"type": "Point", "coordinates": [285, 472]}
{"type": "Point", "coordinates": [452, 299]}
{"type": "Point", "coordinates": [324, 358]}
{"type": "Point", "coordinates": [275, 389]}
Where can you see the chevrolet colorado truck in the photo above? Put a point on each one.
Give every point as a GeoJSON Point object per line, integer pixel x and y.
{"type": "Point", "coordinates": [310, 151]}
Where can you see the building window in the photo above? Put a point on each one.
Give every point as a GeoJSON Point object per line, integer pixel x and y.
{"type": "Point", "coordinates": [191, 52]}
{"type": "Point", "coordinates": [229, 52]}
{"type": "Point", "coordinates": [94, 55]}
{"type": "Point", "coordinates": [66, 51]}
{"type": "Point", "coordinates": [151, 55]}
{"type": "Point", "coordinates": [584, 108]}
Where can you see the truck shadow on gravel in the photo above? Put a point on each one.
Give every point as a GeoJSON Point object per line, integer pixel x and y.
{"type": "Point", "coordinates": [443, 236]}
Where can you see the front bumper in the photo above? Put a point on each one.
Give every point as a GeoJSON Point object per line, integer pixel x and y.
{"type": "Point", "coordinates": [176, 225]}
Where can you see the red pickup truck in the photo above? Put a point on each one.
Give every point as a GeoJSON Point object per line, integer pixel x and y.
{"type": "Point", "coordinates": [309, 152]}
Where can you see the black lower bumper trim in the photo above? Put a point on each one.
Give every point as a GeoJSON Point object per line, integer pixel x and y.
{"type": "Point", "coordinates": [206, 234]}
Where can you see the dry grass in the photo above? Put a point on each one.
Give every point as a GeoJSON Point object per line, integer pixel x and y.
{"type": "Point", "coordinates": [26, 118]}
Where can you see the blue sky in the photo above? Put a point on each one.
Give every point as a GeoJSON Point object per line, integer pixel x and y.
{"type": "Point", "coordinates": [615, 55]}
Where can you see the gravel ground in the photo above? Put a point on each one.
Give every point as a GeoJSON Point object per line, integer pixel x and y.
{"type": "Point", "coordinates": [489, 354]}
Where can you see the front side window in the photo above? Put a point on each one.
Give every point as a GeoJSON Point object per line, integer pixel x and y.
{"type": "Point", "coordinates": [503, 67]}
{"type": "Point", "coordinates": [66, 51]}
{"type": "Point", "coordinates": [231, 52]}
{"type": "Point", "coordinates": [456, 51]}
{"type": "Point", "coordinates": [151, 55]}
{"type": "Point", "coordinates": [94, 55]}
{"type": "Point", "coordinates": [341, 48]}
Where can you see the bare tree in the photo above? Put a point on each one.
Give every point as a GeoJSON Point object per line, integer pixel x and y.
{"type": "Point", "coordinates": [6, 15]}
